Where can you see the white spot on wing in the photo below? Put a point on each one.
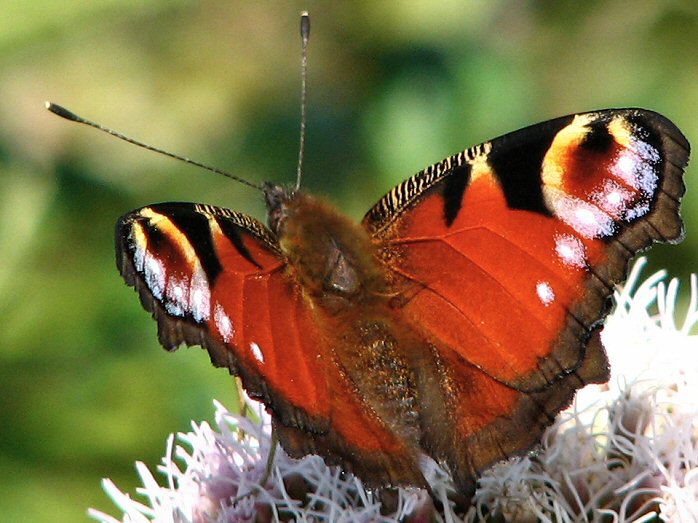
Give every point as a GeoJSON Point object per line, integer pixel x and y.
{"type": "Point", "coordinates": [624, 168]}
{"type": "Point", "coordinates": [257, 352]}
{"type": "Point", "coordinates": [199, 295]}
{"type": "Point", "coordinates": [636, 211]}
{"type": "Point", "coordinates": [176, 296]}
{"type": "Point", "coordinates": [613, 198]}
{"type": "Point", "coordinates": [189, 296]}
{"type": "Point", "coordinates": [223, 323]}
{"type": "Point", "coordinates": [570, 250]}
{"type": "Point", "coordinates": [139, 258]}
{"type": "Point", "coordinates": [154, 275]}
{"type": "Point", "coordinates": [545, 293]}
{"type": "Point", "coordinates": [646, 151]}
{"type": "Point", "coordinates": [637, 167]}
{"type": "Point", "coordinates": [584, 217]}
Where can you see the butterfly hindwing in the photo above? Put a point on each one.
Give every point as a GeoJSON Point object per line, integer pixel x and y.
{"type": "Point", "coordinates": [217, 278]}
{"type": "Point", "coordinates": [504, 257]}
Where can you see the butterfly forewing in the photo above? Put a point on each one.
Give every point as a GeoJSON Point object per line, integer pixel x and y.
{"type": "Point", "coordinates": [504, 257]}
{"type": "Point", "coordinates": [466, 242]}
{"type": "Point", "coordinates": [216, 278]}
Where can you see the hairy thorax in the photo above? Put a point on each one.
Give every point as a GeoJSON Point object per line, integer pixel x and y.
{"type": "Point", "coordinates": [332, 258]}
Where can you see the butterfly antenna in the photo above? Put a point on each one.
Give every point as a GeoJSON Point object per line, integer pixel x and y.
{"type": "Point", "coordinates": [69, 115]}
{"type": "Point", "coordinates": [305, 36]}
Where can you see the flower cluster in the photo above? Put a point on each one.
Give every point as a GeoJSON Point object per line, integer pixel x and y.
{"type": "Point", "coordinates": [625, 451]}
{"type": "Point", "coordinates": [219, 475]}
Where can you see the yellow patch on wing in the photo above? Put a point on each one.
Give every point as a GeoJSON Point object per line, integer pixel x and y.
{"type": "Point", "coordinates": [167, 227]}
{"type": "Point", "coordinates": [621, 132]}
{"type": "Point", "coordinates": [565, 142]}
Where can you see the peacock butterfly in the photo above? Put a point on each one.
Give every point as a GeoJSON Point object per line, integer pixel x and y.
{"type": "Point", "coordinates": [455, 321]}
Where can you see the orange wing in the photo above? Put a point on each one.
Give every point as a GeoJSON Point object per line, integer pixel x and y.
{"type": "Point", "coordinates": [504, 257]}
{"type": "Point", "coordinates": [216, 278]}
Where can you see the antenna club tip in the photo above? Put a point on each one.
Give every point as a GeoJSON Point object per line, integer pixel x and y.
{"type": "Point", "coordinates": [305, 26]}
{"type": "Point", "coordinates": [61, 111]}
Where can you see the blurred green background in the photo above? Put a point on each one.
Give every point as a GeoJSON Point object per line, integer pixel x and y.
{"type": "Point", "coordinates": [393, 87]}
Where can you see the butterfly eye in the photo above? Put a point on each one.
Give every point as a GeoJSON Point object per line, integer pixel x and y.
{"type": "Point", "coordinates": [341, 275]}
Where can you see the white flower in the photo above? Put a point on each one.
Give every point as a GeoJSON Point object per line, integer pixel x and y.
{"type": "Point", "coordinates": [624, 451]}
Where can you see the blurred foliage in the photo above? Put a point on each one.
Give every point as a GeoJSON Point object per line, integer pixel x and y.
{"type": "Point", "coordinates": [394, 86]}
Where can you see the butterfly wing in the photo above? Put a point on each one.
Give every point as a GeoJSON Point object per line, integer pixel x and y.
{"type": "Point", "coordinates": [504, 257]}
{"type": "Point", "coordinates": [217, 278]}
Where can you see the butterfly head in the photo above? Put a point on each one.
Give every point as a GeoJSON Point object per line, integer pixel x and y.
{"type": "Point", "coordinates": [277, 198]}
